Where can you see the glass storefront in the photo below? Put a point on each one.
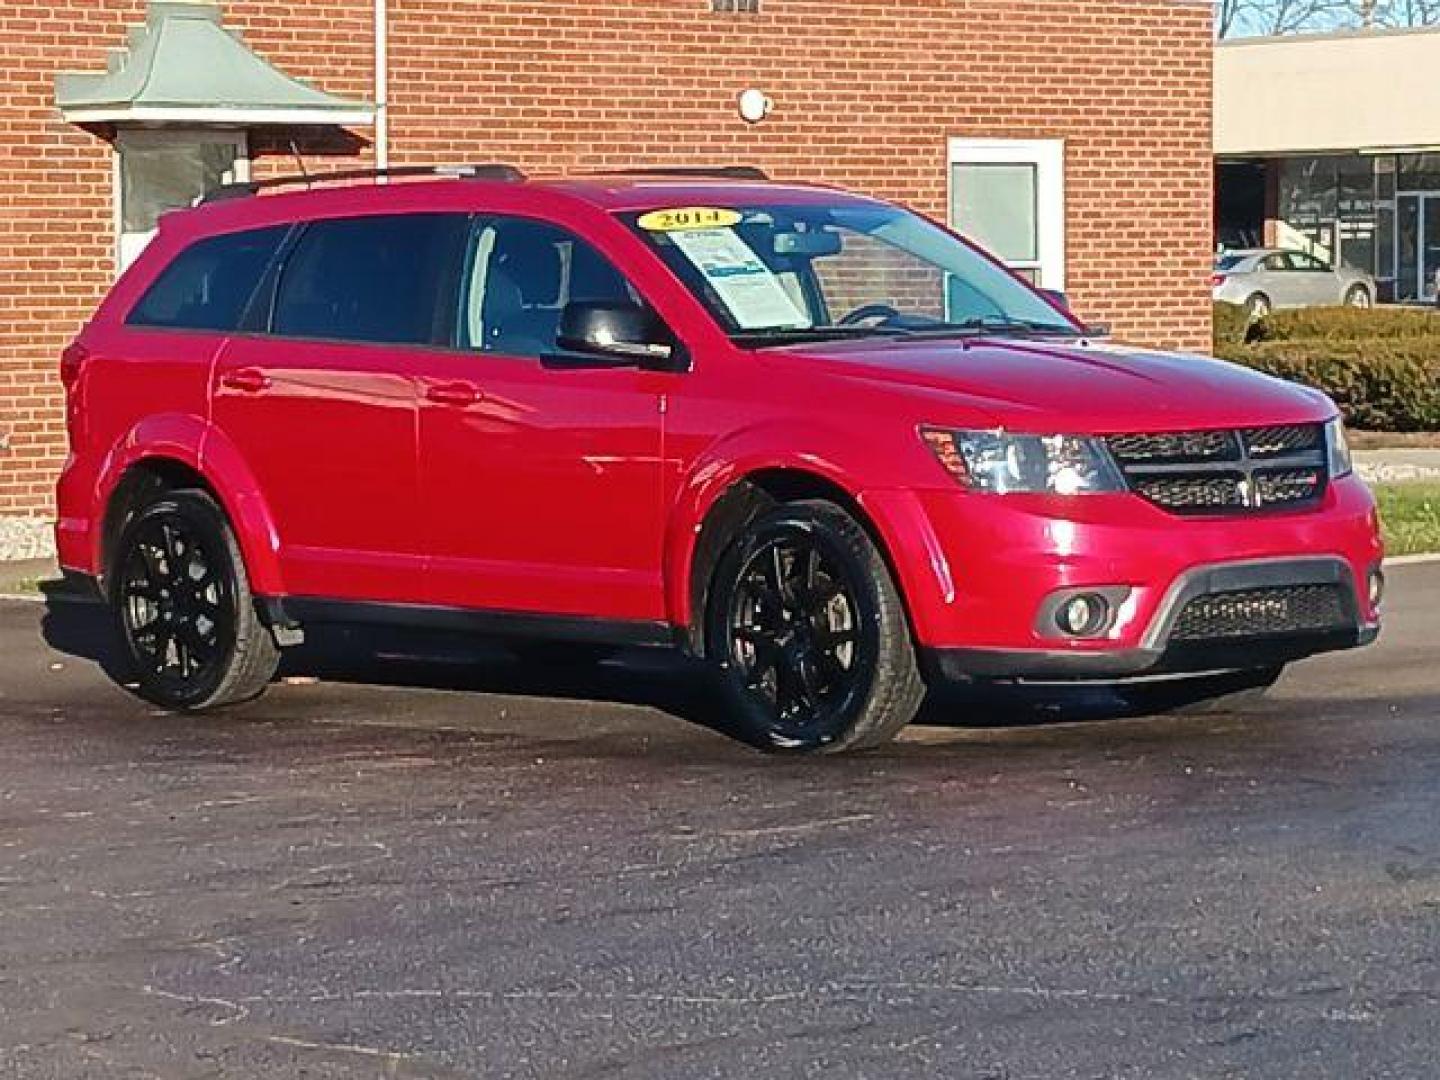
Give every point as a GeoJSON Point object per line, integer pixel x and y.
{"type": "Point", "coordinates": [1378, 212]}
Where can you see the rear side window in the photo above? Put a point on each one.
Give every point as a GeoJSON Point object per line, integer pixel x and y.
{"type": "Point", "coordinates": [390, 278]}
{"type": "Point", "coordinates": [208, 285]}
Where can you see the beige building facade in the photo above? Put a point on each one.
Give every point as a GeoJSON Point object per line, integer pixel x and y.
{"type": "Point", "coordinates": [1330, 144]}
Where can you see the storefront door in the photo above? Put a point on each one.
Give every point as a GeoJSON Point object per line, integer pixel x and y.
{"type": "Point", "coordinates": [1417, 246]}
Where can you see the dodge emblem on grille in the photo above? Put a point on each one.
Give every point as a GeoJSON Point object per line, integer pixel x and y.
{"type": "Point", "coordinates": [1249, 496]}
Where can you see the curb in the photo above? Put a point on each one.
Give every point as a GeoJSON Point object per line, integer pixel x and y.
{"type": "Point", "coordinates": [1413, 560]}
{"type": "Point", "coordinates": [13, 572]}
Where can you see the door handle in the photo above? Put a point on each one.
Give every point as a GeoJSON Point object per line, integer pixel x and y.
{"type": "Point", "coordinates": [453, 393]}
{"type": "Point", "coordinates": [247, 380]}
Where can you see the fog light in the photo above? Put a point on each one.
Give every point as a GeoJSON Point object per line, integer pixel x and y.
{"type": "Point", "coordinates": [1377, 587]}
{"type": "Point", "coordinates": [1083, 616]}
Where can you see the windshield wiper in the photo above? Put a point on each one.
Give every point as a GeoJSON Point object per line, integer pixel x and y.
{"type": "Point", "coordinates": [791, 335]}
{"type": "Point", "coordinates": [1002, 324]}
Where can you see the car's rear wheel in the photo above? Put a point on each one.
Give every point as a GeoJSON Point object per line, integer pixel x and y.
{"type": "Point", "coordinates": [1257, 306]}
{"type": "Point", "coordinates": [183, 607]}
{"type": "Point", "coordinates": [1221, 692]}
{"type": "Point", "coordinates": [1358, 296]}
{"type": "Point", "coordinates": [810, 633]}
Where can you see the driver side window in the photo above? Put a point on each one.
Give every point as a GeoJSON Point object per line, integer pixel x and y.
{"type": "Point", "coordinates": [519, 276]}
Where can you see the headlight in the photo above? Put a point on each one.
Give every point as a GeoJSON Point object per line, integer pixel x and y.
{"type": "Point", "coordinates": [1004, 463]}
{"type": "Point", "coordinates": [1337, 449]}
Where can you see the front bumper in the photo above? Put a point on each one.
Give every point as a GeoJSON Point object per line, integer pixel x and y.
{"type": "Point", "coordinates": [1159, 651]}
{"type": "Point", "coordinates": [978, 572]}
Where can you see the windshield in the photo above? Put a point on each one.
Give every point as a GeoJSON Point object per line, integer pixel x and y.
{"type": "Point", "coordinates": [782, 273]}
{"type": "Point", "coordinates": [1229, 262]}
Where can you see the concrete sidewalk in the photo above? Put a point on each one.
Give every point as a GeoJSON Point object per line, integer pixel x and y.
{"type": "Point", "coordinates": [1399, 465]}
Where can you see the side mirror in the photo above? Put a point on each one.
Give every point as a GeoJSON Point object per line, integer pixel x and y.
{"type": "Point", "coordinates": [621, 333]}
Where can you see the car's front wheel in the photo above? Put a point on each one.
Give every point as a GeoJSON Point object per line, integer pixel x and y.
{"type": "Point", "coordinates": [1257, 306]}
{"type": "Point", "coordinates": [808, 628]}
{"type": "Point", "coordinates": [1357, 296]}
{"type": "Point", "coordinates": [183, 606]}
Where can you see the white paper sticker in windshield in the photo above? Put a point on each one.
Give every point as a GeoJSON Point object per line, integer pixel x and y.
{"type": "Point", "coordinates": [746, 286]}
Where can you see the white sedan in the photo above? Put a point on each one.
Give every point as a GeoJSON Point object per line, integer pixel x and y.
{"type": "Point", "coordinates": [1266, 278]}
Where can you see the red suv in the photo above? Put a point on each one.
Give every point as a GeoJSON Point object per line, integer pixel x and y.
{"type": "Point", "coordinates": [812, 437]}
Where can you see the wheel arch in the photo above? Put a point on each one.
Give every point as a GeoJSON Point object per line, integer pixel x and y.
{"type": "Point", "coordinates": [730, 507]}
{"type": "Point", "coordinates": [184, 452]}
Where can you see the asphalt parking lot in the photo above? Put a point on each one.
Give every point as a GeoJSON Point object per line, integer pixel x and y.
{"type": "Point", "coordinates": [489, 870]}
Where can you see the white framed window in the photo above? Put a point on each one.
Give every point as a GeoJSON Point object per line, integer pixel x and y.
{"type": "Point", "coordinates": [1008, 195]}
{"type": "Point", "coordinates": [159, 170]}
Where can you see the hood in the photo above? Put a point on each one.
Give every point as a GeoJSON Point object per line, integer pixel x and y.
{"type": "Point", "coordinates": [1070, 386]}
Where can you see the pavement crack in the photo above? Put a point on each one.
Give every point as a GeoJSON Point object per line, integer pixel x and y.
{"type": "Point", "coordinates": [785, 830]}
{"type": "Point", "coordinates": [395, 1057]}
{"type": "Point", "coordinates": [234, 1011]}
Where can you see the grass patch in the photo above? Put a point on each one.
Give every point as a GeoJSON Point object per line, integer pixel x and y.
{"type": "Point", "coordinates": [1410, 515]}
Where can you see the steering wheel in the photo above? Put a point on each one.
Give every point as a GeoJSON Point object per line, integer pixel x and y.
{"type": "Point", "coordinates": [884, 312]}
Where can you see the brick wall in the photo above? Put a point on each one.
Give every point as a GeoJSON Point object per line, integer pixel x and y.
{"type": "Point", "coordinates": [865, 93]}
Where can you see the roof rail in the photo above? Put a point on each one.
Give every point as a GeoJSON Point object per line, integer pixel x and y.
{"type": "Point", "coordinates": [246, 188]}
{"type": "Point", "coordinates": [719, 172]}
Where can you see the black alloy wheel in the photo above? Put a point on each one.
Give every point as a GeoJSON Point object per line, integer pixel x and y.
{"type": "Point", "coordinates": [184, 609]}
{"type": "Point", "coordinates": [794, 634]}
{"type": "Point", "coordinates": [811, 635]}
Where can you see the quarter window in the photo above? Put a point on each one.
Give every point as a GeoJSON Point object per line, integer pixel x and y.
{"type": "Point", "coordinates": [209, 284]}
{"type": "Point", "coordinates": [379, 279]}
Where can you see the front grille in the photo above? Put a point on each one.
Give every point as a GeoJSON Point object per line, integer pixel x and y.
{"type": "Point", "coordinates": [1181, 446]}
{"type": "Point", "coordinates": [1225, 471]}
{"type": "Point", "coordinates": [1193, 494]}
{"type": "Point", "coordinates": [1271, 442]}
{"type": "Point", "coordinates": [1285, 609]}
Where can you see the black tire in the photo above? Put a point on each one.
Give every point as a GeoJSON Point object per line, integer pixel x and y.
{"type": "Point", "coordinates": [810, 635]}
{"type": "Point", "coordinates": [1204, 695]}
{"type": "Point", "coordinates": [1358, 296]}
{"type": "Point", "coordinates": [181, 600]}
{"type": "Point", "coordinates": [1257, 306]}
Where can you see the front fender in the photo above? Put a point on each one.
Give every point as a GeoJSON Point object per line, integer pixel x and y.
{"type": "Point", "coordinates": [829, 454]}
{"type": "Point", "coordinates": [190, 441]}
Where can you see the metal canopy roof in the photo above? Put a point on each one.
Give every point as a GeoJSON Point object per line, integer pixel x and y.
{"type": "Point", "coordinates": [183, 66]}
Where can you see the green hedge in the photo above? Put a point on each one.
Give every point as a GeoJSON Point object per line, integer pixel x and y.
{"type": "Point", "coordinates": [1231, 324]}
{"type": "Point", "coordinates": [1346, 324]}
{"type": "Point", "coordinates": [1382, 366]}
{"type": "Point", "coordinates": [1382, 384]}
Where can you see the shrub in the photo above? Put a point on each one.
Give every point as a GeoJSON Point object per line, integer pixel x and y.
{"type": "Point", "coordinates": [1347, 324]}
{"type": "Point", "coordinates": [1231, 323]}
{"type": "Point", "coordinates": [1385, 384]}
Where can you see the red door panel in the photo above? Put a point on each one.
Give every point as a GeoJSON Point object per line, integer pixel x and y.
{"type": "Point", "coordinates": [541, 488]}
{"type": "Point", "coordinates": [329, 432]}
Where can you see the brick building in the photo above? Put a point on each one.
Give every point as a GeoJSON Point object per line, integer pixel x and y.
{"type": "Point", "coordinates": [1072, 136]}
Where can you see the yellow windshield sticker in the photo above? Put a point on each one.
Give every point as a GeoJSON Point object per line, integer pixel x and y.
{"type": "Point", "coordinates": [685, 218]}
